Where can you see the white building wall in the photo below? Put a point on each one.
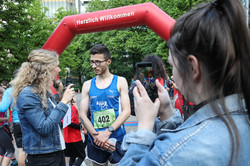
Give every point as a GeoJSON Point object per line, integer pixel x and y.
{"type": "Point", "coordinates": [81, 5]}
{"type": "Point", "coordinates": [54, 5]}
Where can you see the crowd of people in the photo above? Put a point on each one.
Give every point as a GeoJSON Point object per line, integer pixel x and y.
{"type": "Point", "coordinates": [207, 123]}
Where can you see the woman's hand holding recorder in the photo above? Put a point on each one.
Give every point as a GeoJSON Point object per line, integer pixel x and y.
{"type": "Point", "coordinates": [68, 94]}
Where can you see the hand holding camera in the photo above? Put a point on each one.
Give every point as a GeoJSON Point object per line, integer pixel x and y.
{"type": "Point", "coordinates": [146, 110]}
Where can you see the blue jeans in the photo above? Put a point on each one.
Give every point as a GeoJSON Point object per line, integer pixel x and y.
{"type": "Point", "coordinates": [48, 159]}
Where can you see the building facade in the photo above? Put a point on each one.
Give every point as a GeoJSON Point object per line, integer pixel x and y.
{"type": "Point", "coordinates": [82, 5]}
{"type": "Point", "coordinates": [71, 5]}
{"type": "Point", "coordinates": [54, 5]}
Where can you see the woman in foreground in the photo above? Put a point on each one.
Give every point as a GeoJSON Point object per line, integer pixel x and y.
{"type": "Point", "coordinates": [209, 52]}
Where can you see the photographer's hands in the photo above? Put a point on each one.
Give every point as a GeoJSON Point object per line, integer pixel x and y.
{"type": "Point", "coordinates": [166, 109]}
{"type": "Point", "coordinates": [68, 94]}
{"type": "Point", "coordinates": [146, 110]}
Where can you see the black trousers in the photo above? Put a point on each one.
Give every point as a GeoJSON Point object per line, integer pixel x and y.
{"type": "Point", "coordinates": [49, 159]}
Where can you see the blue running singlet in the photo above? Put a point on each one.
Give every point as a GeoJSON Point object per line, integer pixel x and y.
{"type": "Point", "coordinates": [105, 107]}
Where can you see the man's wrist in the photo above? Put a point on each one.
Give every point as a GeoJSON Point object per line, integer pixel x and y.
{"type": "Point", "coordinates": [108, 132]}
{"type": "Point", "coordinates": [111, 129]}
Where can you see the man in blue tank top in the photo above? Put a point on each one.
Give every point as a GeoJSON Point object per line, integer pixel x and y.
{"type": "Point", "coordinates": [107, 97]}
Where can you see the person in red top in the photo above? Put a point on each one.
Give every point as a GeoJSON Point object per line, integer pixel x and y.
{"type": "Point", "coordinates": [180, 103]}
{"type": "Point", "coordinates": [75, 148]}
{"type": "Point", "coordinates": [177, 98]}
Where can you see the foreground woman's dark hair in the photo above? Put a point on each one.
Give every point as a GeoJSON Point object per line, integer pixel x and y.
{"type": "Point", "coordinates": [217, 35]}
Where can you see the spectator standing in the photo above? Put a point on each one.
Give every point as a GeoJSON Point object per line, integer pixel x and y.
{"type": "Point", "coordinates": [5, 104]}
{"type": "Point", "coordinates": [75, 148]}
{"type": "Point", "coordinates": [6, 147]}
{"type": "Point", "coordinates": [185, 107]}
{"type": "Point", "coordinates": [177, 98]}
{"type": "Point", "coordinates": [38, 112]}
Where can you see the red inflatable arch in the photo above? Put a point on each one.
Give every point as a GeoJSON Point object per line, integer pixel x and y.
{"type": "Point", "coordinates": [117, 18]}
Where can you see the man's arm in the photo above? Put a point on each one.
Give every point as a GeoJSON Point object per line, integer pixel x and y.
{"type": "Point", "coordinates": [84, 106]}
{"type": "Point", "coordinates": [125, 103]}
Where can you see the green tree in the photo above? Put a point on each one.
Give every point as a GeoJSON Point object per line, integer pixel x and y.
{"type": "Point", "coordinates": [70, 57]}
{"type": "Point", "coordinates": [174, 8]}
{"type": "Point", "coordinates": [127, 46]}
{"type": "Point", "coordinates": [23, 27]}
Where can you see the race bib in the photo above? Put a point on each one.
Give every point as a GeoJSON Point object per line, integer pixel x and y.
{"type": "Point", "coordinates": [104, 118]}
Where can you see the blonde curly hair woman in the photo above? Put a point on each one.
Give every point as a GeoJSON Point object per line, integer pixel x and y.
{"type": "Point", "coordinates": [39, 114]}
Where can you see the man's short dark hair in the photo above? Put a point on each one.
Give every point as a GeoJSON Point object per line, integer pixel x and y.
{"type": "Point", "coordinates": [100, 49]}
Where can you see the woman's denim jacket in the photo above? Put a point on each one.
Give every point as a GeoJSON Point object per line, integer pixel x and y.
{"type": "Point", "coordinates": [203, 139]}
{"type": "Point", "coordinates": [39, 124]}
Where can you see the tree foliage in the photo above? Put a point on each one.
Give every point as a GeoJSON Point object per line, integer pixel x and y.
{"type": "Point", "coordinates": [130, 45]}
{"type": "Point", "coordinates": [23, 27]}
